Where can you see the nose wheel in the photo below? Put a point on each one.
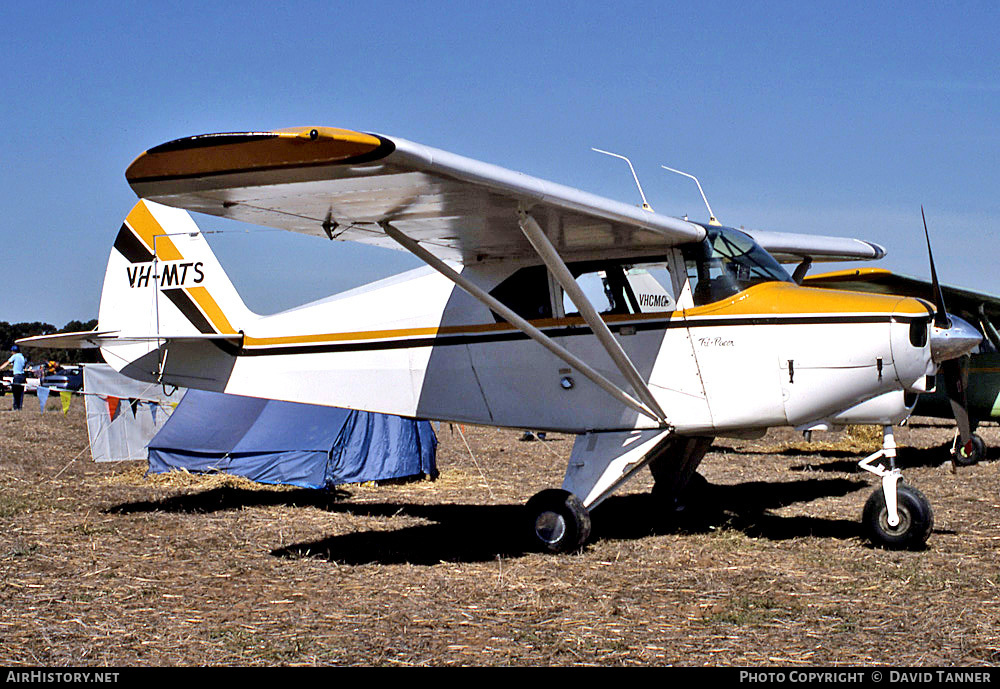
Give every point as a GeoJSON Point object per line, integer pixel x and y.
{"type": "Point", "coordinates": [915, 520]}
{"type": "Point", "coordinates": [559, 522]}
{"type": "Point", "coordinates": [896, 516]}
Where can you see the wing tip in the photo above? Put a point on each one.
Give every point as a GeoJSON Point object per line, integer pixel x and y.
{"type": "Point", "coordinates": [207, 155]}
{"type": "Point", "coordinates": [878, 249]}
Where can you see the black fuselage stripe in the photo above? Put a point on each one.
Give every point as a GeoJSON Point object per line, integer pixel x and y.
{"type": "Point", "coordinates": [131, 247]}
{"type": "Point", "coordinates": [183, 301]}
{"type": "Point", "coordinates": [574, 331]}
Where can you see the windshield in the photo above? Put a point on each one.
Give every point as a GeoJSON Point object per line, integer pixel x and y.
{"type": "Point", "coordinates": [727, 262]}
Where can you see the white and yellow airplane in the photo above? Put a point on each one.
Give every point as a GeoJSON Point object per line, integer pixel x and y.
{"type": "Point", "coordinates": [541, 307]}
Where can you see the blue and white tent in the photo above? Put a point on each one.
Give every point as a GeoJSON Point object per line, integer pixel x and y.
{"type": "Point", "coordinates": [290, 443]}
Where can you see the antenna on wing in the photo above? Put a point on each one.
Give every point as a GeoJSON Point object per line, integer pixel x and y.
{"type": "Point", "coordinates": [711, 215]}
{"type": "Point", "coordinates": [645, 206]}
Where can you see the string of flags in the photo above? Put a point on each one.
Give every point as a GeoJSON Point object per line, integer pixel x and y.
{"type": "Point", "coordinates": [43, 396]}
{"type": "Point", "coordinates": [114, 406]}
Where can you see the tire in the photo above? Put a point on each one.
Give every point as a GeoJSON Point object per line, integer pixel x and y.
{"type": "Point", "coordinates": [559, 523]}
{"type": "Point", "coordinates": [916, 520]}
{"type": "Point", "coordinates": [976, 454]}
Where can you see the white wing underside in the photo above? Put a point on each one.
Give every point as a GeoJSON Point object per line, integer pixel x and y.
{"type": "Point", "coordinates": [457, 208]}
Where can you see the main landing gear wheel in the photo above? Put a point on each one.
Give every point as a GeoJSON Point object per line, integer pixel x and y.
{"type": "Point", "coordinates": [560, 523]}
{"type": "Point", "coordinates": [915, 519]}
{"type": "Point", "coordinates": [971, 452]}
{"type": "Point", "coordinates": [679, 500]}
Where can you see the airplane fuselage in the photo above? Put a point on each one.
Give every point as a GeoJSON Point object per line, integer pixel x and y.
{"type": "Point", "coordinates": [738, 364]}
{"type": "Point", "coordinates": [417, 345]}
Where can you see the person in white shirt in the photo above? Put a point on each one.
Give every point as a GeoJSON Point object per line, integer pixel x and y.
{"type": "Point", "coordinates": [18, 363]}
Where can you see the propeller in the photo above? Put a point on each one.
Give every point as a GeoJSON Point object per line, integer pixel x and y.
{"type": "Point", "coordinates": [941, 319]}
{"type": "Point", "coordinates": [955, 370]}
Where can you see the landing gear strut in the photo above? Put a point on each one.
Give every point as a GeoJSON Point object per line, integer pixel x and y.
{"type": "Point", "coordinates": [559, 520]}
{"type": "Point", "coordinates": [896, 516]}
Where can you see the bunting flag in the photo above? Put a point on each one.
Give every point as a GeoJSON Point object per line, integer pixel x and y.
{"type": "Point", "coordinates": [153, 406]}
{"type": "Point", "coordinates": [43, 397]}
{"type": "Point", "coordinates": [112, 406]}
{"type": "Point", "coordinates": [133, 403]}
{"type": "Point", "coordinates": [65, 396]}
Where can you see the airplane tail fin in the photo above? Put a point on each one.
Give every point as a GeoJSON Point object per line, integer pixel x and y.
{"type": "Point", "coordinates": [164, 282]}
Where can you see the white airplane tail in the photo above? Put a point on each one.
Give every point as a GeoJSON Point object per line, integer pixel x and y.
{"type": "Point", "coordinates": [163, 282]}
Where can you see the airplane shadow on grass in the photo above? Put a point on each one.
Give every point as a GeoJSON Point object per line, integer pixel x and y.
{"type": "Point", "coordinates": [905, 457]}
{"type": "Point", "coordinates": [478, 533]}
{"type": "Point", "coordinates": [229, 498]}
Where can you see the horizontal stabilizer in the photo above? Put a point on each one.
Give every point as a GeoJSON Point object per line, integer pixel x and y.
{"type": "Point", "coordinates": [88, 339]}
{"type": "Point", "coordinates": [237, 338]}
{"type": "Point", "coordinates": [92, 339]}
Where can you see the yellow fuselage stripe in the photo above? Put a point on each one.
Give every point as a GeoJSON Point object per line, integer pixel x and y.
{"type": "Point", "coordinates": [760, 301]}
{"type": "Point", "coordinates": [783, 298]}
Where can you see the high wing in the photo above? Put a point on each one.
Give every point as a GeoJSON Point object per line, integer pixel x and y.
{"type": "Point", "coordinates": [341, 184]}
{"type": "Point", "coordinates": [790, 247]}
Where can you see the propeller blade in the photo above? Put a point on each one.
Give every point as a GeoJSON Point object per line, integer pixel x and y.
{"type": "Point", "coordinates": [955, 371]}
{"type": "Point", "coordinates": [941, 317]}
{"type": "Point", "coordinates": [956, 381]}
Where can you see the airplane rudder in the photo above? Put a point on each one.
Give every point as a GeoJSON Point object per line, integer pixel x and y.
{"type": "Point", "coordinates": [164, 278]}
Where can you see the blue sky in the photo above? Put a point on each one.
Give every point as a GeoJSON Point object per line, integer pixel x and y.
{"type": "Point", "coordinates": [832, 118]}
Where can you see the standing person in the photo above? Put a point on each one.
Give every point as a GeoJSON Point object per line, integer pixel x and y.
{"type": "Point", "coordinates": [17, 362]}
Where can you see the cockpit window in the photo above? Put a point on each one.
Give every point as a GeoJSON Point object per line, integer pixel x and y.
{"type": "Point", "coordinates": [526, 293]}
{"type": "Point", "coordinates": [612, 287]}
{"type": "Point", "coordinates": [607, 287]}
{"type": "Point", "coordinates": [727, 262]}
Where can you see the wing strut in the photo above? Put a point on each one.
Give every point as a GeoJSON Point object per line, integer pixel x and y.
{"type": "Point", "coordinates": [558, 268]}
{"type": "Point", "coordinates": [520, 323]}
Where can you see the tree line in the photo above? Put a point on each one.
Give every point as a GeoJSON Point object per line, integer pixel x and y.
{"type": "Point", "coordinates": [11, 332]}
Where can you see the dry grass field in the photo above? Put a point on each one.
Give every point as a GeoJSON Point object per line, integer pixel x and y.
{"type": "Point", "coordinates": [100, 565]}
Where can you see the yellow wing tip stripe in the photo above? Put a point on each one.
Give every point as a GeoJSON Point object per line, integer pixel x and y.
{"type": "Point", "coordinates": [331, 133]}
{"type": "Point", "coordinates": [235, 153]}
